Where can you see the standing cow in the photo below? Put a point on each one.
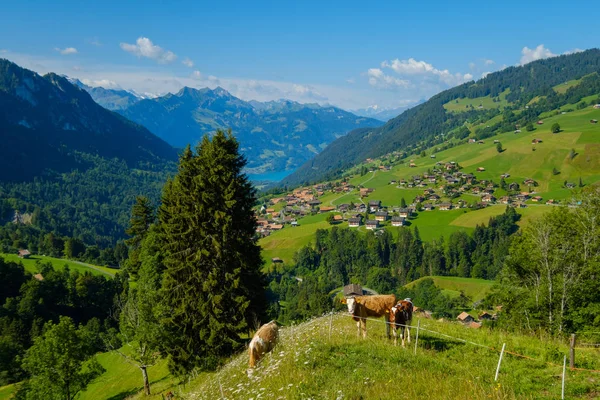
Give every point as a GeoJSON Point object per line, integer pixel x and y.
{"type": "Point", "coordinates": [263, 341]}
{"type": "Point", "coordinates": [362, 307]}
{"type": "Point", "coordinates": [401, 317]}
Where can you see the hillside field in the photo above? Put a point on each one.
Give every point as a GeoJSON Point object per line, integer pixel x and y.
{"type": "Point", "coordinates": [520, 158]}
{"type": "Point", "coordinates": [476, 289]}
{"type": "Point", "coordinates": [30, 264]}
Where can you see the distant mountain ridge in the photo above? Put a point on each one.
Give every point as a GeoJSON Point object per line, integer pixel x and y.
{"type": "Point", "coordinates": [274, 136]}
{"type": "Point", "coordinates": [526, 91]}
{"type": "Point", "coordinates": [111, 99]}
{"type": "Point", "coordinates": [384, 113]}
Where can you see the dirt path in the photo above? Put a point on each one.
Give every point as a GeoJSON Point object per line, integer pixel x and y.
{"type": "Point", "coordinates": [93, 267]}
{"type": "Point", "coordinates": [346, 194]}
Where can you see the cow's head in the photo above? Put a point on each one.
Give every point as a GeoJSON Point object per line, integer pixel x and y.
{"type": "Point", "coordinates": [351, 302]}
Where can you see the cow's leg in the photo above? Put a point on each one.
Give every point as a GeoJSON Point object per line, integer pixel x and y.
{"type": "Point", "coordinates": [364, 326]}
{"type": "Point", "coordinates": [387, 325]}
{"type": "Point", "coordinates": [358, 323]}
{"type": "Point", "coordinates": [408, 330]}
{"type": "Point", "coordinates": [402, 328]}
{"type": "Point", "coordinates": [395, 333]}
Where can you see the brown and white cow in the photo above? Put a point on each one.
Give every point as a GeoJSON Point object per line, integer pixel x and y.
{"type": "Point", "coordinates": [263, 341]}
{"type": "Point", "coordinates": [401, 317]}
{"type": "Point", "coordinates": [362, 307]}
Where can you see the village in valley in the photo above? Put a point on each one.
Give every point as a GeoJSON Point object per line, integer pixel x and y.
{"type": "Point", "coordinates": [444, 187]}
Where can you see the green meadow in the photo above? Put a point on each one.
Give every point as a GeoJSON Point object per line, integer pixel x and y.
{"type": "Point", "coordinates": [476, 289]}
{"type": "Point", "coordinates": [31, 264]}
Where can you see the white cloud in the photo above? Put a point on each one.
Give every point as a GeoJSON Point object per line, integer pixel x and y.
{"type": "Point", "coordinates": [379, 79]}
{"type": "Point", "coordinates": [488, 62]}
{"type": "Point", "coordinates": [187, 62]}
{"type": "Point", "coordinates": [196, 75]}
{"type": "Point", "coordinates": [472, 65]}
{"type": "Point", "coordinates": [415, 69]}
{"type": "Point", "coordinates": [66, 51]}
{"type": "Point", "coordinates": [485, 74]}
{"type": "Point", "coordinates": [144, 47]}
{"type": "Point", "coordinates": [528, 55]}
{"type": "Point", "coordinates": [95, 41]}
{"type": "Point", "coordinates": [351, 80]}
{"type": "Point", "coordinates": [409, 67]}
{"type": "Point", "coordinates": [105, 83]}
{"type": "Point", "coordinates": [467, 77]}
{"type": "Point", "coordinates": [307, 92]}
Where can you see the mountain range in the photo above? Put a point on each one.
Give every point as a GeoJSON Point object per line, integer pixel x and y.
{"type": "Point", "coordinates": [383, 113]}
{"type": "Point", "coordinates": [275, 135]}
{"type": "Point", "coordinates": [513, 97]}
{"type": "Point", "coordinates": [46, 121]}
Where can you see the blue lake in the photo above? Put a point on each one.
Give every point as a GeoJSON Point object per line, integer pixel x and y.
{"type": "Point", "coordinates": [273, 176]}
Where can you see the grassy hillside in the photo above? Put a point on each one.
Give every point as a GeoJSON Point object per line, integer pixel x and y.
{"type": "Point", "coordinates": [30, 264]}
{"type": "Point", "coordinates": [309, 364]}
{"type": "Point", "coordinates": [452, 362]}
{"type": "Point", "coordinates": [476, 289]}
{"type": "Point", "coordinates": [520, 158]}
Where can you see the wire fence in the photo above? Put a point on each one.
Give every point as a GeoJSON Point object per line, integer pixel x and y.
{"type": "Point", "coordinates": [498, 350]}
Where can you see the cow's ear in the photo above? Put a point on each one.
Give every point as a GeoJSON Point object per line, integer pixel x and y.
{"type": "Point", "coordinates": [357, 300]}
{"type": "Point", "coordinates": [387, 311]}
{"type": "Point", "coordinates": [343, 301]}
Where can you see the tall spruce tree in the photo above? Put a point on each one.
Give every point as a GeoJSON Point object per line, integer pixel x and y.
{"type": "Point", "coordinates": [213, 289]}
{"type": "Point", "coordinates": [142, 216]}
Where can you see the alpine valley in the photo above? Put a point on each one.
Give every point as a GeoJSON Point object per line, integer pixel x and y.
{"type": "Point", "coordinates": [275, 136]}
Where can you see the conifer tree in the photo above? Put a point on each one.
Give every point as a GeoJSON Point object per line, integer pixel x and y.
{"type": "Point", "coordinates": [212, 287]}
{"type": "Point", "coordinates": [142, 216]}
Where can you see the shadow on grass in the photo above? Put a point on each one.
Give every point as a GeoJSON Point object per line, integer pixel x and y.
{"type": "Point", "coordinates": [438, 344]}
{"type": "Point", "coordinates": [125, 394]}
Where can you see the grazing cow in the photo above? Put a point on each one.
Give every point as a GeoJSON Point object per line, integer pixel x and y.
{"type": "Point", "coordinates": [362, 307]}
{"type": "Point", "coordinates": [401, 317]}
{"type": "Point", "coordinates": [263, 341]}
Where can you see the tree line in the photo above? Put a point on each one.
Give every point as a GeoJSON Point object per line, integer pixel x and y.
{"type": "Point", "coordinates": [383, 261]}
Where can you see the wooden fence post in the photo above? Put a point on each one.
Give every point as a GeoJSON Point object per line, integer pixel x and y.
{"type": "Point", "coordinates": [221, 387]}
{"type": "Point", "coordinates": [417, 337]}
{"type": "Point", "coordinates": [572, 352]}
{"type": "Point", "coordinates": [499, 361]}
{"type": "Point", "coordinates": [563, 378]}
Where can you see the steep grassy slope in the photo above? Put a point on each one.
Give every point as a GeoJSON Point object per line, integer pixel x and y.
{"type": "Point", "coordinates": [308, 363]}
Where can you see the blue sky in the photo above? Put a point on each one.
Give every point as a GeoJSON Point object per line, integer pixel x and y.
{"type": "Point", "coordinates": [351, 54]}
